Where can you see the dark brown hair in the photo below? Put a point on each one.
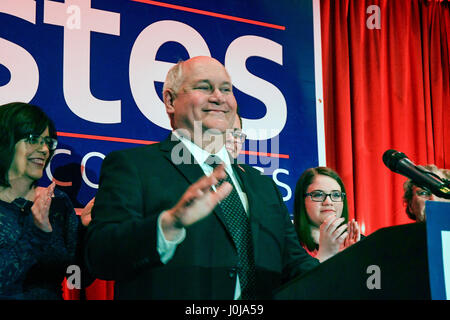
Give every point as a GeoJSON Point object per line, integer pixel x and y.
{"type": "Point", "coordinates": [17, 121]}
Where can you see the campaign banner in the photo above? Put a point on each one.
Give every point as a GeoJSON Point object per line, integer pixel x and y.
{"type": "Point", "coordinates": [97, 68]}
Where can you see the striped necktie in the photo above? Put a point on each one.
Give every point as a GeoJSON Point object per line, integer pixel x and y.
{"type": "Point", "coordinates": [238, 225]}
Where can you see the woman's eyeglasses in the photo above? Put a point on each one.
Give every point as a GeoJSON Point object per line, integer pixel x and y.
{"type": "Point", "coordinates": [34, 139]}
{"type": "Point", "coordinates": [320, 196]}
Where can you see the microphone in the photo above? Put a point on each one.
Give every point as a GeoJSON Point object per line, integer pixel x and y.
{"type": "Point", "coordinates": [398, 162]}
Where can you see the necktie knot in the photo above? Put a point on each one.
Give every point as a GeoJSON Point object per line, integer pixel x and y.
{"type": "Point", "coordinates": [213, 161]}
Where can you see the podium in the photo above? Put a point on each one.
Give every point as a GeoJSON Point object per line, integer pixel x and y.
{"type": "Point", "coordinates": [438, 239]}
{"type": "Point", "coordinates": [391, 263]}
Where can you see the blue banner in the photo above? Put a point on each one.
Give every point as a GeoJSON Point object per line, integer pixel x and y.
{"type": "Point", "coordinates": [97, 68]}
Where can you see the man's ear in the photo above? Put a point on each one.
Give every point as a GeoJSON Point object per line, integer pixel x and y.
{"type": "Point", "coordinates": [408, 209]}
{"type": "Point", "coordinates": [169, 97]}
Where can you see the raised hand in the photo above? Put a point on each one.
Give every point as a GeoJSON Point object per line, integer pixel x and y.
{"type": "Point", "coordinates": [197, 202]}
{"type": "Point", "coordinates": [86, 213]}
{"type": "Point", "coordinates": [354, 234]}
{"type": "Point", "coordinates": [41, 207]}
{"type": "Point", "coordinates": [332, 237]}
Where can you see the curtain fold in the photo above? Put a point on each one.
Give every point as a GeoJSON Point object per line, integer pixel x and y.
{"type": "Point", "coordinates": [98, 290]}
{"type": "Point", "coordinates": [386, 86]}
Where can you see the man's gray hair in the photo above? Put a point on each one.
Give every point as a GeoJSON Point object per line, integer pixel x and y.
{"type": "Point", "coordinates": [174, 77]}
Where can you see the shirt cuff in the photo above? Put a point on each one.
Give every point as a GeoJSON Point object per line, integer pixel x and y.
{"type": "Point", "coordinates": [166, 248]}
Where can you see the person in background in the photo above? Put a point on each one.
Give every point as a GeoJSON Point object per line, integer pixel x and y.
{"type": "Point", "coordinates": [414, 197]}
{"type": "Point", "coordinates": [39, 229]}
{"type": "Point", "coordinates": [235, 138]}
{"type": "Point", "coordinates": [321, 213]}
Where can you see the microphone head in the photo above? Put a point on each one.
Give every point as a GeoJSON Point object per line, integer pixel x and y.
{"type": "Point", "coordinates": [392, 157]}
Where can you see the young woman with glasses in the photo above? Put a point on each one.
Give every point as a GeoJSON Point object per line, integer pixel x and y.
{"type": "Point", "coordinates": [321, 213]}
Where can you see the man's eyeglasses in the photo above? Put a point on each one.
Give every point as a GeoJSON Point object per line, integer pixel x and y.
{"type": "Point", "coordinates": [239, 135]}
{"type": "Point", "coordinates": [320, 196]}
{"type": "Point", "coordinates": [423, 193]}
{"type": "Point", "coordinates": [34, 139]}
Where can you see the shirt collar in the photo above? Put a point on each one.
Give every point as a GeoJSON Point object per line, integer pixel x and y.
{"type": "Point", "coordinates": [201, 155]}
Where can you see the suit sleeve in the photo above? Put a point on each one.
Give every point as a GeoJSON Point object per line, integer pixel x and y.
{"type": "Point", "coordinates": [120, 241]}
{"type": "Point", "coordinates": [296, 260]}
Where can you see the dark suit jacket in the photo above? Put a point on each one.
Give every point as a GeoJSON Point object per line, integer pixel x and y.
{"type": "Point", "coordinates": [136, 185]}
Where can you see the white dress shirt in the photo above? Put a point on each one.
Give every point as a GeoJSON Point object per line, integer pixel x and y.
{"type": "Point", "coordinates": [166, 248]}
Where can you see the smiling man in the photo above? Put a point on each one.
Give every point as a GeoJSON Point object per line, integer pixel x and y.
{"type": "Point", "coordinates": [200, 228]}
{"type": "Point", "coordinates": [204, 95]}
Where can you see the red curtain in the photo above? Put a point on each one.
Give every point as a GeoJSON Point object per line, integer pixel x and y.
{"type": "Point", "coordinates": [98, 290]}
{"type": "Point", "coordinates": [386, 86]}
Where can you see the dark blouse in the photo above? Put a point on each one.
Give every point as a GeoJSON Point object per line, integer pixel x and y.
{"type": "Point", "coordinates": [33, 263]}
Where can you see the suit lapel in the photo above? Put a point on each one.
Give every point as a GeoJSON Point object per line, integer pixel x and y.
{"type": "Point", "coordinates": [177, 153]}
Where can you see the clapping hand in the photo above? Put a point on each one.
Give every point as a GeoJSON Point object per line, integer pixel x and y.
{"type": "Point", "coordinates": [354, 234]}
{"type": "Point", "coordinates": [86, 213]}
{"type": "Point", "coordinates": [41, 207]}
{"type": "Point", "coordinates": [332, 237]}
{"type": "Point", "coordinates": [197, 202]}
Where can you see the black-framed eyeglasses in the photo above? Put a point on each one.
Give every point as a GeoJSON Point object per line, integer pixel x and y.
{"type": "Point", "coordinates": [320, 196]}
{"type": "Point", "coordinates": [239, 135]}
{"type": "Point", "coordinates": [34, 139]}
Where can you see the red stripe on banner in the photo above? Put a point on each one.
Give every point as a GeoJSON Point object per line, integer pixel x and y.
{"type": "Point", "coordinates": [264, 154]}
{"type": "Point", "coordinates": [137, 141]}
{"type": "Point", "coordinates": [114, 139]}
{"type": "Point", "coordinates": [212, 14]}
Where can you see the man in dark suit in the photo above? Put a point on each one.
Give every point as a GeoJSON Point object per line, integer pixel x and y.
{"type": "Point", "coordinates": [160, 225]}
